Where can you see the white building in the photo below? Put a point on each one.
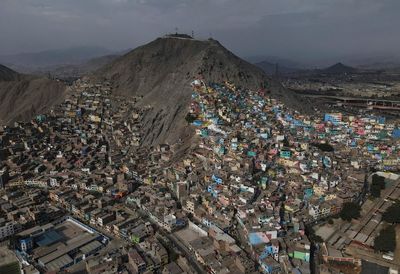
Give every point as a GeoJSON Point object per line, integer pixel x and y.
{"type": "Point", "coordinates": [7, 229]}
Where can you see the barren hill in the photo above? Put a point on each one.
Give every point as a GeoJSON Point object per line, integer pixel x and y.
{"type": "Point", "coordinates": [23, 96]}
{"type": "Point", "coordinates": [339, 68]}
{"type": "Point", "coordinates": [162, 71]}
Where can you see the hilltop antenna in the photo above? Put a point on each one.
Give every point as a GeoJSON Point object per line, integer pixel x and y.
{"type": "Point", "coordinates": [192, 34]}
{"type": "Point", "coordinates": [176, 30]}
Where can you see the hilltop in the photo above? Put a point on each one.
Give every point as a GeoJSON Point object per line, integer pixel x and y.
{"type": "Point", "coordinates": [23, 96]}
{"type": "Point", "coordinates": [339, 68]}
{"type": "Point", "coordinates": [161, 72]}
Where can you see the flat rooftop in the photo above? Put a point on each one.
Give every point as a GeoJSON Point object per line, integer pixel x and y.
{"type": "Point", "coordinates": [187, 235]}
{"type": "Point", "coordinates": [35, 230]}
{"type": "Point", "coordinates": [59, 245]}
{"type": "Point", "coordinates": [73, 244]}
{"type": "Point", "coordinates": [69, 230]}
{"type": "Point", "coordinates": [59, 263]}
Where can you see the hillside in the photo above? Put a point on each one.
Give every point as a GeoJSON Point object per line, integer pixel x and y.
{"type": "Point", "coordinates": [162, 71]}
{"type": "Point", "coordinates": [339, 68]}
{"type": "Point", "coordinates": [23, 96]}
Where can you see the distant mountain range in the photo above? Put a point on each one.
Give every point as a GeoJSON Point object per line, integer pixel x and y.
{"type": "Point", "coordinates": [28, 62]}
{"type": "Point", "coordinates": [276, 60]}
{"type": "Point", "coordinates": [76, 70]}
{"type": "Point", "coordinates": [78, 61]}
{"type": "Point", "coordinates": [274, 68]}
{"type": "Point", "coordinates": [339, 68]}
{"type": "Point", "coordinates": [387, 63]}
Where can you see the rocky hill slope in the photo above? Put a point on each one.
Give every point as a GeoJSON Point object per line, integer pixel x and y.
{"type": "Point", "coordinates": [23, 96]}
{"type": "Point", "coordinates": [161, 72]}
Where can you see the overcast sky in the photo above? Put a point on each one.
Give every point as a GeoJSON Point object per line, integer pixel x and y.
{"type": "Point", "coordinates": [297, 29]}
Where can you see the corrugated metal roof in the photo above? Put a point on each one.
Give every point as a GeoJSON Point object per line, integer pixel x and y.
{"type": "Point", "coordinates": [57, 264]}
{"type": "Point", "coordinates": [90, 247]}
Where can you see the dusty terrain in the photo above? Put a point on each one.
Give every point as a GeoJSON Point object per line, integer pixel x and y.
{"type": "Point", "coordinates": [23, 96]}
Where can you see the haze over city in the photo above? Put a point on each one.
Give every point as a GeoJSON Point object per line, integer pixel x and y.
{"type": "Point", "coordinates": [312, 31]}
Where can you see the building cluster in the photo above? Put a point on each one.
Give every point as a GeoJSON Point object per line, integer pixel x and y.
{"type": "Point", "coordinates": [21, 209]}
{"type": "Point", "coordinates": [58, 245]}
{"type": "Point", "coordinates": [351, 242]}
{"type": "Point", "coordinates": [343, 85]}
{"type": "Point", "coordinates": [66, 176]}
{"type": "Point", "coordinates": [263, 172]}
{"type": "Point", "coordinates": [79, 187]}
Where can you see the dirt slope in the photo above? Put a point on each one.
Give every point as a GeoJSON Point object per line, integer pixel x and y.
{"type": "Point", "coordinates": [23, 96]}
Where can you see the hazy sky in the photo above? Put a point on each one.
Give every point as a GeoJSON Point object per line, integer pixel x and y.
{"type": "Point", "coordinates": [300, 29]}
